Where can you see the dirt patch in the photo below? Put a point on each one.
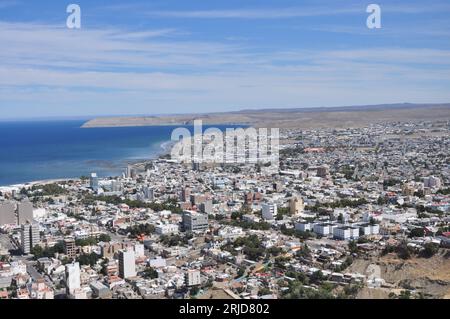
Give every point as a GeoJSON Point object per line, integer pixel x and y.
{"type": "Point", "coordinates": [428, 275]}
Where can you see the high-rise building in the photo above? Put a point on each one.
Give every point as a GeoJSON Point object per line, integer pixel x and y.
{"type": "Point", "coordinates": [93, 182]}
{"type": "Point", "coordinates": [186, 194]}
{"type": "Point", "coordinates": [148, 193]}
{"type": "Point", "coordinates": [7, 213]}
{"type": "Point", "coordinates": [25, 212]}
{"type": "Point", "coordinates": [73, 277]}
{"type": "Point", "coordinates": [195, 222]}
{"type": "Point", "coordinates": [116, 186]}
{"type": "Point", "coordinates": [206, 207]}
{"type": "Point", "coordinates": [269, 211]}
{"type": "Point", "coordinates": [131, 172]}
{"type": "Point", "coordinates": [70, 249]}
{"type": "Point", "coordinates": [30, 237]}
{"type": "Point", "coordinates": [296, 205]}
{"type": "Point", "coordinates": [127, 263]}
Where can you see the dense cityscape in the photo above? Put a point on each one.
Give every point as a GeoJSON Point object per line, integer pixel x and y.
{"type": "Point", "coordinates": [348, 213]}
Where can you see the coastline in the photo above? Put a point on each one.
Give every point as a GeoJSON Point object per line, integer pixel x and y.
{"type": "Point", "coordinates": [34, 183]}
{"type": "Point", "coordinates": [162, 151]}
{"type": "Point", "coordinates": [165, 146]}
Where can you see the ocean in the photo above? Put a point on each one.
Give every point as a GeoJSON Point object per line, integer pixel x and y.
{"type": "Point", "coordinates": [42, 150]}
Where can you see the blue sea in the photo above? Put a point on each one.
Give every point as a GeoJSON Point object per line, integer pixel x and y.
{"type": "Point", "coordinates": [41, 150]}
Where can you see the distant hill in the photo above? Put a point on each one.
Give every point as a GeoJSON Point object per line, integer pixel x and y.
{"type": "Point", "coordinates": [354, 108]}
{"type": "Point", "coordinates": [346, 116]}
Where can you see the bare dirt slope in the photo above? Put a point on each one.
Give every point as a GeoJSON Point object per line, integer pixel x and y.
{"type": "Point", "coordinates": [428, 275]}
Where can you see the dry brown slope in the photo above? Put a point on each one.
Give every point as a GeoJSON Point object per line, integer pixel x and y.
{"type": "Point", "coordinates": [429, 275]}
{"type": "Point", "coordinates": [288, 119]}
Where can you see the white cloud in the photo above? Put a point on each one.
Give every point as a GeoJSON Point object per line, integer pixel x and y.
{"type": "Point", "coordinates": [112, 71]}
{"type": "Point", "coordinates": [331, 8]}
{"type": "Point", "coordinates": [406, 7]}
{"type": "Point", "coordinates": [269, 13]}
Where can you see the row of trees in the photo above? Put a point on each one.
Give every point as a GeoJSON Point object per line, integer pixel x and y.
{"type": "Point", "coordinates": [40, 252]}
{"type": "Point", "coordinates": [46, 190]}
{"type": "Point", "coordinates": [141, 229]}
{"type": "Point", "coordinates": [298, 281]}
{"type": "Point", "coordinates": [88, 259]}
{"type": "Point", "coordinates": [175, 240]}
{"type": "Point", "coordinates": [248, 225]}
{"type": "Point", "coordinates": [403, 251]}
{"type": "Point", "coordinates": [170, 204]}
{"type": "Point", "coordinates": [297, 233]}
{"type": "Point", "coordinates": [251, 246]}
{"type": "Point", "coordinates": [90, 241]}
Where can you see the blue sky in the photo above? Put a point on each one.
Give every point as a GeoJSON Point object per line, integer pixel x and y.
{"type": "Point", "coordinates": [157, 57]}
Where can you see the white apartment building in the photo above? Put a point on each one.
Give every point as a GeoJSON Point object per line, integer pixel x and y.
{"type": "Point", "coordinates": [230, 232]}
{"type": "Point", "coordinates": [193, 278]}
{"type": "Point", "coordinates": [30, 237]}
{"type": "Point", "coordinates": [346, 232]}
{"type": "Point", "coordinates": [324, 229]}
{"type": "Point", "coordinates": [368, 229]}
{"type": "Point", "coordinates": [166, 229]}
{"type": "Point", "coordinates": [304, 226]}
{"type": "Point", "coordinates": [127, 264]}
{"type": "Point", "coordinates": [269, 211]}
{"type": "Point", "coordinates": [73, 277]}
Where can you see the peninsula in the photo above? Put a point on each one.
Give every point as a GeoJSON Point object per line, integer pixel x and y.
{"type": "Point", "coordinates": [321, 117]}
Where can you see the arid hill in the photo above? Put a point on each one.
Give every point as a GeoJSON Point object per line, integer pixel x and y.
{"type": "Point", "coordinates": [338, 117]}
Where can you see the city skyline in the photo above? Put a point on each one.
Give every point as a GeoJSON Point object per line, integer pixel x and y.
{"type": "Point", "coordinates": [175, 57]}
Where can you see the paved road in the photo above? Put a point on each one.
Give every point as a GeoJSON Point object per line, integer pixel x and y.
{"type": "Point", "coordinates": [33, 272]}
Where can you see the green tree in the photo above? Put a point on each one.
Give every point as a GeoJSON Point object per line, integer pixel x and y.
{"type": "Point", "coordinates": [403, 251]}
{"type": "Point", "coordinates": [194, 291]}
{"type": "Point", "coordinates": [88, 259]}
{"type": "Point", "coordinates": [405, 294]}
{"type": "Point", "coordinates": [417, 232]}
{"type": "Point", "coordinates": [240, 272]}
{"type": "Point", "coordinates": [150, 273]}
{"type": "Point", "coordinates": [237, 215]}
{"type": "Point", "coordinates": [353, 246]}
{"type": "Point", "coordinates": [104, 238]}
{"type": "Point", "coordinates": [429, 250]}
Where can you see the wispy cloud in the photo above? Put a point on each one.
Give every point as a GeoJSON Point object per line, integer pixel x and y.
{"type": "Point", "coordinates": [416, 8]}
{"type": "Point", "coordinates": [340, 8]}
{"type": "Point", "coordinates": [403, 31]}
{"type": "Point", "coordinates": [52, 46]}
{"type": "Point", "coordinates": [268, 13]}
{"type": "Point", "coordinates": [47, 66]}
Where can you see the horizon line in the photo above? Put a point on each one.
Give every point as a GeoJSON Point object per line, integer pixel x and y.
{"type": "Point", "coordinates": [267, 109]}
